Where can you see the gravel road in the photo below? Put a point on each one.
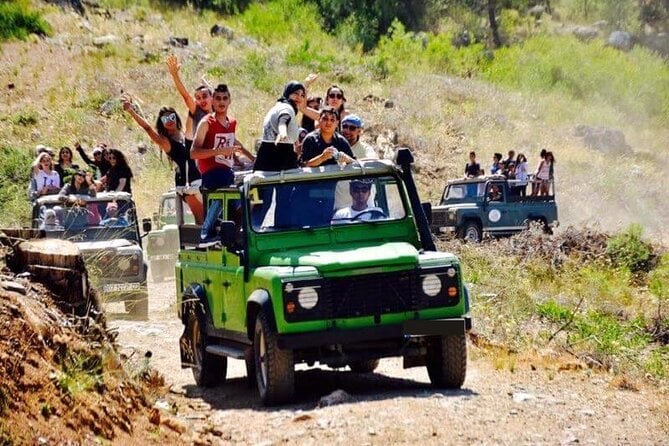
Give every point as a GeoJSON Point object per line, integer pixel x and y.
{"type": "Point", "coordinates": [531, 404]}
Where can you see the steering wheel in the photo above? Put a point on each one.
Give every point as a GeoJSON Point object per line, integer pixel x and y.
{"type": "Point", "coordinates": [373, 213]}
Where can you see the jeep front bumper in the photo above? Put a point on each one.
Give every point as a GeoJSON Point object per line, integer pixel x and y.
{"type": "Point", "coordinates": [410, 328]}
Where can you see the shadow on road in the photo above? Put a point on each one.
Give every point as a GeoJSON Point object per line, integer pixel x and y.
{"type": "Point", "coordinates": [315, 383]}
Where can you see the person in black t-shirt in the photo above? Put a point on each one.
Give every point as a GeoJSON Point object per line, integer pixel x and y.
{"type": "Point", "coordinates": [472, 168]}
{"type": "Point", "coordinates": [324, 145]}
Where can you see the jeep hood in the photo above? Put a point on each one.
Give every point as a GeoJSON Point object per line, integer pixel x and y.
{"type": "Point", "coordinates": [347, 258]}
{"type": "Point", "coordinates": [458, 206]}
{"type": "Point", "coordinates": [101, 245]}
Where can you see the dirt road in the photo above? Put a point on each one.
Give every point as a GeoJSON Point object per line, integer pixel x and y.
{"type": "Point", "coordinates": [393, 405]}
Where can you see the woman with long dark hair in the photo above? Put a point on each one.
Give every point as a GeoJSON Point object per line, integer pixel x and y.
{"type": "Point", "coordinates": [335, 98]}
{"type": "Point", "coordinates": [65, 167]}
{"type": "Point", "coordinates": [281, 130]}
{"type": "Point", "coordinates": [170, 138]}
{"type": "Point", "coordinates": [119, 175]}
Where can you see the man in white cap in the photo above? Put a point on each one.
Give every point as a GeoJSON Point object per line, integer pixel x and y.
{"type": "Point", "coordinates": [351, 126]}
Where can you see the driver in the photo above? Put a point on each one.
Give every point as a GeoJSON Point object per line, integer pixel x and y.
{"type": "Point", "coordinates": [113, 219]}
{"type": "Point", "coordinates": [359, 209]}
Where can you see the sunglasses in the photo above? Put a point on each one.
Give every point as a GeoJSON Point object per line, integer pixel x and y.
{"type": "Point", "coordinates": [167, 118]}
{"type": "Point", "coordinates": [336, 96]}
{"type": "Point", "coordinates": [111, 157]}
{"type": "Point", "coordinates": [360, 190]}
{"type": "Point", "coordinates": [349, 127]}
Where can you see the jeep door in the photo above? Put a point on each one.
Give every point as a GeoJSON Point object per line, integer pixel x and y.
{"type": "Point", "coordinates": [499, 215]}
{"type": "Point", "coordinates": [231, 272]}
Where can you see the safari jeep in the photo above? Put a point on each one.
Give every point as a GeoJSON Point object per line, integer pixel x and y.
{"type": "Point", "coordinates": [162, 243]}
{"type": "Point", "coordinates": [472, 207]}
{"type": "Point", "coordinates": [112, 248]}
{"type": "Point", "coordinates": [292, 280]}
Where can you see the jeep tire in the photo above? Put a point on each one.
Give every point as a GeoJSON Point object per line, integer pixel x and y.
{"type": "Point", "coordinates": [471, 232]}
{"type": "Point", "coordinates": [274, 368]}
{"type": "Point", "coordinates": [446, 361]}
{"type": "Point", "coordinates": [208, 370]}
{"type": "Point", "coordinates": [363, 366]}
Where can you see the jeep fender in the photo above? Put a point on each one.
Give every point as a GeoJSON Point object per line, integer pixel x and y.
{"type": "Point", "coordinates": [259, 299]}
{"type": "Point", "coordinates": [194, 291]}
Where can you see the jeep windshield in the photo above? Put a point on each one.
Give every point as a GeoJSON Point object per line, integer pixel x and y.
{"type": "Point", "coordinates": [325, 203]}
{"type": "Point", "coordinates": [88, 220]}
{"type": "Point", "coordinates": [464, 192]}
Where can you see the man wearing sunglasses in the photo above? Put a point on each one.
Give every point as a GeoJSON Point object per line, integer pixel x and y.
{"type": "Point", "coordinates": [213, 149]}
{"type": "Point", "coordinates": [324, 145]}
{"type": "Point", "coordinates": [359, 210]}
{"type": "Point", "coordinates": [351, 127]}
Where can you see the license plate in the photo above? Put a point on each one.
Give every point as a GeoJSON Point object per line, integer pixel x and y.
{"type": "Point", "coordinates": [116, 287]}
{"type": "Point", "coordinates": [163, 257]}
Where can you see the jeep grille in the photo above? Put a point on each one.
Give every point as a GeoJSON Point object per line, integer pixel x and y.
{"type": "Point", "coordinates": [369, 295]}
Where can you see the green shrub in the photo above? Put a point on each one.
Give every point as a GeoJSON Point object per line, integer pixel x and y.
{"type": "Point", "coordinates": [629, 250]}
{"type": "Point", "coordinates": [15, 168]}
{"type": "Point", "coordinates": [553, 311]}
{"type": "Point", "coordinates": [564, 65]}
{"type": "Point", "coordinates": [16, 21]}
{"type": "Point", "coordinates": [25, 118]}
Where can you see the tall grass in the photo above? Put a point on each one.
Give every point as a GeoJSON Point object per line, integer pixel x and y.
{"type": "Point", "coordinates": [18, 21]}
{"type": "Point", "coordinates": [636, 83]}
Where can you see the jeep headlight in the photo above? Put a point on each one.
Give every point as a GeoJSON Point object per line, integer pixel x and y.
{"type": "Point", "coordinates": [124, 263]}
{"type": "Point", "coordinates": [307, 297]}
{"type": "Point", "coordinates": [431, 285]}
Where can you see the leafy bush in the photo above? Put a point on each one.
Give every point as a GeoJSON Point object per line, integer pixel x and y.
{"type": "Point", "coordinates": [16, 21]}
{"type": "Point", "coordinates": [629, 250]}
{"type": "Point", "coordinates": [580, 70]}
{"type": "Point", "coordinates": [14, 177]}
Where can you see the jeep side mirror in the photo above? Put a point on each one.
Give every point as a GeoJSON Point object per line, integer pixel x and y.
{"type": "Point", "coordinates": [228, 232]}
{"type": "Point", "coordinates": [146, 224]}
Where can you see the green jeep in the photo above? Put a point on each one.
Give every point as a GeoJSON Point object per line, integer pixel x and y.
{"type": "Point", "coordinates": [493, 205]}
{"type": "Point", "coordinates": [111, 247]}
{"type": "Point", "coordinates": [162, 242]}
{"type": "Point", "coordinates": [300, 276]}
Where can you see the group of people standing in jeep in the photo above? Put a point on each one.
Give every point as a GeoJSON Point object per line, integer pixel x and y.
{"type": "Point", "coordinates": [515, 168]}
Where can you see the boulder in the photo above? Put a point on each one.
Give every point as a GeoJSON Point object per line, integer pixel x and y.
{"type": "Point", "coordinates": [585, 33]}
{"type": "Point", "coordinates": [621, 40]}
{"type": "Point", "coordinates": [221, 31]}
{"type": "Point", "coordinates": [603, 139]}
{"type": "Point", "coordinates": [109, 39]}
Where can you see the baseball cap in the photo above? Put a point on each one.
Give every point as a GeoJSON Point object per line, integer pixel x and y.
{"type": "Point", "coordinates": [353, 119]}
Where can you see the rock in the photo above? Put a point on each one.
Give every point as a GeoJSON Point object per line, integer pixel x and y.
{"type": "Point", "coordinates": [16, 287]}
{"type": "Point", "coordinates": [389, 104]}
{"type": "Point", "coordinates": [141, 147]}
{"type": "Point", "coordinates": [620, 40]}
{"type": "Point", "coordinates": [178, 42]}
{"type": "Point", "coordinates": [603, 139]}
{"type": "Point", "coordinates": [221, 31]}
{"type": "Point", "coordinates": [519, 397]}
{"type": "Point", "coordinates": [601, 24]}
{"type": "Point", "coordinates": [657, 42]}
{"type": "Point", "coordinates": [585, 33]}
{"type": "Point", "coordinates": [536, 11]}
{"type": "Point", "coordinates": [336, 397]}
{"type": "Point", "coordinates": [108, 107]}
{"type": "Point", "coordinates": [11, 86]}
{"type": "Point", "coordinates": [105, 40]}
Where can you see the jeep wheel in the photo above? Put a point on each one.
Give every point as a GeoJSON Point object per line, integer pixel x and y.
{"type": "Point", "coordinates": [471, 232]}
{"type": "Point", "coordinates": [447, 361]}
{"type": "Point", "coordinates": [208, 370]}
{"type": "Point", "coordinates": [275, 371]}
{"type": "Point", "coordinates": [364, 366]}
{"type": "Point", "coordinates": [138, 308]}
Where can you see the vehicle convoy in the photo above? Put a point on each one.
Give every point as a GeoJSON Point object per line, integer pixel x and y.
{"type": "Point", "coordinates": [297, 277]}
{"type": "Point", "coordinates": [162, 243]}
{"type": "Point", "coordinates": [472, 207]}
{"type": "Point", "coordinates": [111, 246]}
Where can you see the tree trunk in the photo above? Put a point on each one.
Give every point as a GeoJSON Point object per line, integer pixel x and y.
{"type": "Point", "coordinates": [493, 24]}
{"type": "Point", "coordinates": [59, 265]}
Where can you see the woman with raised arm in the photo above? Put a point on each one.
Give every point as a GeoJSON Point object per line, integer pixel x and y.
{"type": "Point", "coordinates": [169, 137]}
{"type": "Point", "coordinates": [46, 180]}
{"type": "Point", "coordinates": [199, 105]}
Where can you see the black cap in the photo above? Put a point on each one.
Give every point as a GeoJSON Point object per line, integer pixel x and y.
{"type": "Point", "coordinates": [292, 87]}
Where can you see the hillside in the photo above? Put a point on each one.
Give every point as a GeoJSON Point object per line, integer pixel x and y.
{"type": "Point", "coordinates": [65, 87]}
